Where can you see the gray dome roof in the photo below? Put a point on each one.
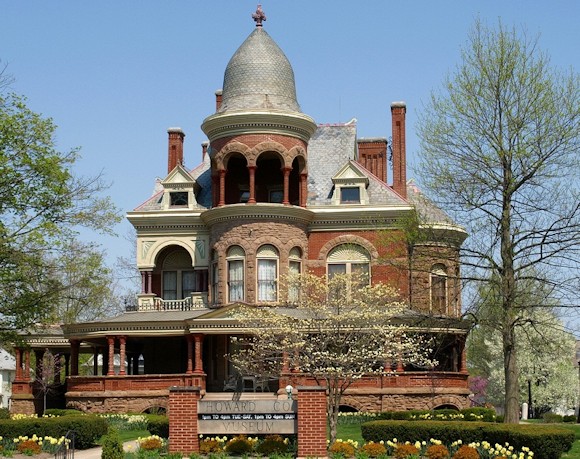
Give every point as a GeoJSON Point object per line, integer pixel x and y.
{"type": "Point", "coordinates": [259, 77]}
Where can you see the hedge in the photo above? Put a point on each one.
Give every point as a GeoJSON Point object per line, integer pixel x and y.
{"type": "Point", "coordinates": [467, 414]}
{"type": "Point", "coordinates": [546, 442]}
{"type": "Point", "coordinates": [88, 428]}
{"type": "Point", "coordinates": [158, 425]}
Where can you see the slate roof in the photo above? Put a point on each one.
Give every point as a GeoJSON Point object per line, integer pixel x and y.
{"type": "Point", "coordinates": [427, 209]}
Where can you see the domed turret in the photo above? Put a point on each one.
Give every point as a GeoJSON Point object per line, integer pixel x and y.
{"type": "Point", "coordinates": [259, 92]}
{"type": "Point", "coordinates": [259, 76]}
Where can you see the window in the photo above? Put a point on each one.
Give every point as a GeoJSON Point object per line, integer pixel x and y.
{"type": "Point", "coordinates": [350, 195]}
{"type": "Point", "coordinates": [178, 285]}
{"type": "Point", "coordinates": [276, 196]}
{"type": "Point", "coordinates": [214, 277]}
{"type": "Point", "coordinates": [235, 259]}
{"type": "Point", "coordinates": [439, 289]}
{"type": "Point", "coordinates": [294, 270]}
{"type": "Point", "coordinates": [178, 198]}
{"type": "Point", "coordinates": [352, 260]}
{"type": "Point", "coordinates": [267, 262]}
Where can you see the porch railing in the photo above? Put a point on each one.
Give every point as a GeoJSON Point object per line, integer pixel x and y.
{"type": "Point", "coordinates": [150, 302]}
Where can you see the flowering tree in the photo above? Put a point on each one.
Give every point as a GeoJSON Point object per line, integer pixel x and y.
{"type": "Point", "coordinates": [336, 331]}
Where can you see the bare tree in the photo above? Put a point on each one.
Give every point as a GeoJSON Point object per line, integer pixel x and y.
{"type": "Point", "coordinates": [500, 150]}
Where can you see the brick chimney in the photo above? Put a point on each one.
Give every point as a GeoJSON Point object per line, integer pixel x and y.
{"type": "Point", "coordinates": [398, 110]}
{"type": "Point", "coordinates": [175, 150]}
{"type": "Point", "coordinates": [218, 100]}
{"type": "Point", "coordinates": [372, 154]}
{"type": "Point", "coordinates": [204, 146]}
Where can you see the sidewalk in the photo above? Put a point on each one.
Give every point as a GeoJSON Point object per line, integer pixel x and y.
{"type": "Point", "coordinates": [95, 453]}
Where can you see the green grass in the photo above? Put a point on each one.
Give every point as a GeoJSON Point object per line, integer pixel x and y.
{"type": "Point", "coordinates": [127, 435]}
{"type": "Point", "coordinates": [349, 432]}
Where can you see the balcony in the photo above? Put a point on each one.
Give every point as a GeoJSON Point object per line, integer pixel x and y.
{"type": "Point", "coordinates": [151, 302]}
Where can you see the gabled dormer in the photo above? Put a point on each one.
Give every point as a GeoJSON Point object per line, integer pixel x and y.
{"type": "Point", "coordinates": [350, 186]}
{"type": "Point", "coordinates": [179, 189]}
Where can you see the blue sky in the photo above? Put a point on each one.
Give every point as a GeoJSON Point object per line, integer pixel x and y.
{"type": "Point", "coordinates": [114, 75]}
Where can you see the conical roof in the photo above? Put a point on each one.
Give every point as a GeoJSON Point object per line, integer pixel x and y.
{"type": "Point", "coordinates": [259, 77]}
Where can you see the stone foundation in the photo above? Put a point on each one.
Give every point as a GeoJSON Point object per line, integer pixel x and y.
{"type": "Point", "coordinates": [403, 402]}
{"type": "Point", "coordinates": [118, 401]}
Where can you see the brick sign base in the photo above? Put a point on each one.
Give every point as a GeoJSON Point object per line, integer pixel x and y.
{"type": "Point", "coordinates": [307, 418]}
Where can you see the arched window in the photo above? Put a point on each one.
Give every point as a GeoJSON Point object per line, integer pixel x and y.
{"type": "Point", "coordinates": [214, 277]}
{"type": "Point", "coordinates": [439, 289]}
{"type": "Point", "coordinates": [235, 258]}
{"type": "Point", "coordinates": [267, 263]}
{"type": "Point", "coordinates": [179, 278]}
{"type": "Point", "coordinates": [294, 270]}
{"type": "Point", "coordinates": [348, 259]}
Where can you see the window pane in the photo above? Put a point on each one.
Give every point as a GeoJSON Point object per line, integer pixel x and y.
{"type": "Point", "coordinates": [336, 269]}
{"type": "Point", "coordinates": [293, 288]}
{"type": "Point", "coordinates": [188, 284]}
{"type": "Point", "coordinates": [178, 198]}
{"type": "Point", "coordinates": [350, 194]}
{"type": "Point", "coordinates": [236, 280]}
{"type": "Point", "coordinates": [267, 275]}
{"type": "Point", "coordinates": [170, 285]}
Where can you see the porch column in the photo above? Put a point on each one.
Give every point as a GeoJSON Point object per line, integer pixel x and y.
{"type": "Point", "coordinates": [27, 375]}
{"type": "Point", "coordinates": [95, 361]}
{"type": "Point", "coordinates": [143, 282]}
{"type": "Point", "coordinates": [18, 363]}
{"type": "Point", "coordinates": [57, 368]}
{"type": "Point", "coordinates": [38, 356]}
{"type": "Point", "coordinates": [111, 342]}
{"type": "Point", "coordinates": [190, 354]}
{"type": "Point", "coordinates": [303, 189]}
{"type": "Point", "coordinates": [122, 355]}
{"type": "Point", "coordinates": [149, 282]}
{"type": "Point", "coordinates": [286, 171]}
{"type": "Point", "coordinates": [222, 200]}
{"type": "Point", "coordinates": [198, 353]}
{"type": "Point", "coordinates": [74, 354]}
{"type": "Point", "coordinates": [252, 171]}
{"type": "Point", "coordinates": [66, 365]}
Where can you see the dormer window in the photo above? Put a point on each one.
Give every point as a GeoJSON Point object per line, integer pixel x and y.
{"type": "Point", "coordinates": [350, 186]}
{"type": "Point", "coordinates": [178, 198]}
{"type": "Point", "coordinates": [350, 195]}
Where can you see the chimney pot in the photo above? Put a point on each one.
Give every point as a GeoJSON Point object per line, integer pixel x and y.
{"type": "Point", "coordinates": [218, 100]}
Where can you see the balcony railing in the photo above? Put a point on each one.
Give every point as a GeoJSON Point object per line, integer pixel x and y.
{"type": "Point", "coordinates": [150, 302]}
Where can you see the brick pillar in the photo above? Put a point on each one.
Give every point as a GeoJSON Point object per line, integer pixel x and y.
{"type": "Point", "coordinates": [189, 354]}
{"type": "Point", "coordinates": [198, 353]}
{"type": "Point", "coordinates": [111, 360]}
{"type": "Point", "coordinates": [27, 375]}
{"type": "Point", "coordinates": [311, 421]}
{"type": "Point", "coordinates": [183, 420]}
{"type": "Point", "coordinates": [122, 355]}
{"type": "Point", "coordinates": [18, 376]}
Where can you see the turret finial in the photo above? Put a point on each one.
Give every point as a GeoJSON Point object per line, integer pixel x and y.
{"type": "Point", "coordinates": [259, 16]}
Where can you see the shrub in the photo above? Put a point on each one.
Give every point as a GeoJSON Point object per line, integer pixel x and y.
{"type": "Point", "coordinates": [478, 413]}
{"type": "Point", "coordinates": [466, 452]}
{"type": "Point", "coordinates": [551, 418]}
{"type": "Point", "coordinates": [547, 442]}
{"type": "Point", "coordinates": [372, 449]}
{"type": "Point", "coordinates": [4, 413]}
{"type": "Point", "coordinates": [569, 418]}
{"type": "Point", "coordinates": [210, 445]}
{"type": "Point", "coordinates": [57, 412]}
{"type": "Point", "coordinates": [239, 445]}
{"type": "Point", "coordinates": [112, 446]}
{"type": "Point", "coordinates": [437, 452]}
{"type": "Point", "coordinates": [404, 450]}
{"type": "Point", "coordinates": [342, 449]}
{"type": "Point", "coordinates": [158, 425]}
{"type": "Point", "coordinates": [151, 443]}
{"type": "Point", "coordinates": [272, 444]}
{"type": "Point", "coordinates": [499, 418]}
{"type": "Point", "coordinates": [28, 447]}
